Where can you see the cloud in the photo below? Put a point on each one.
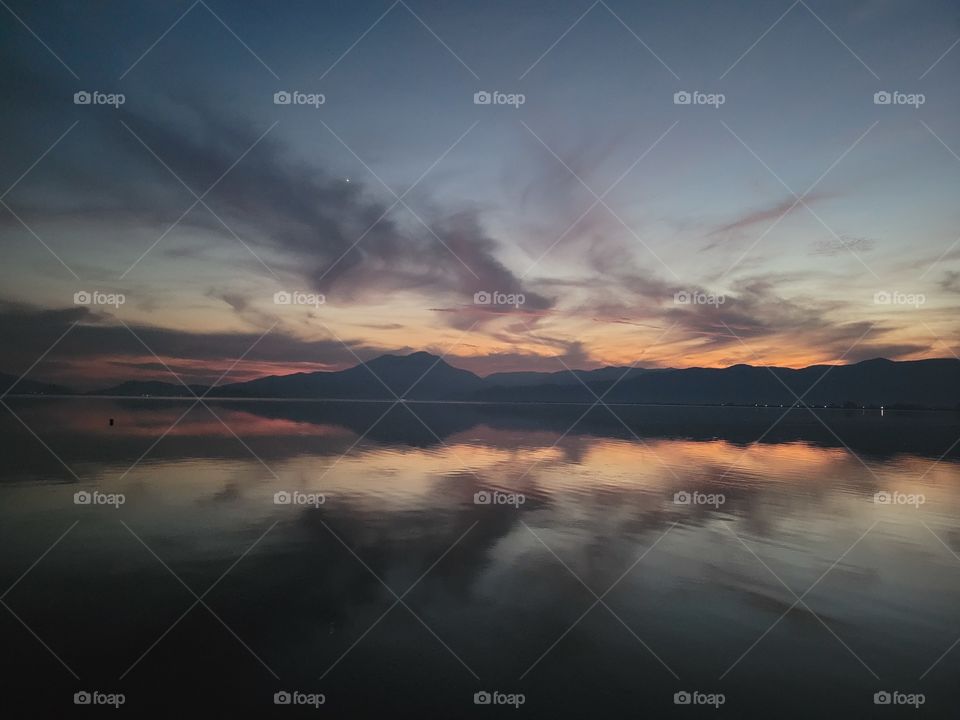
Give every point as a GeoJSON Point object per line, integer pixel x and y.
{"type": "Point", "coordinates": [349, 241]}
{"type": "Point", "coordinates": [950, 282]}
{"type": "Point", "coordinates": [574, 355]}
{"type": "Point", "coordinates": [755, 316]}
{"type": "Point", "coordinates": [843, 244]}
{"type": "Point", "coordinates": [344, 239]}
{"type": "Point", "coordinates": [891, 351]}
{"type": "Point", "coordinates": [752, 217]}
{"type": "Point", "coordinates": [99, 350]}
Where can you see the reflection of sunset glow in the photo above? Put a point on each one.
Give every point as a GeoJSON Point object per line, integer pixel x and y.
{"type": "Point", "coordinates": [581, 477]}
{"type": "Point", "coordinates": [370, 467]}
{"type": "Point", "coordinates": [154, 420]}
{"type": "Point", "coordinates": [627, 456]}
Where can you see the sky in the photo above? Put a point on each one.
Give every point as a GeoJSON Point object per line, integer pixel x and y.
{"type": "Point", "coordinates": [786, 215]}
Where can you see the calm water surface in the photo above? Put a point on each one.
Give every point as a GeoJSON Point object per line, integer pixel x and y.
{"type": "Point", "coordinates": [784, 585]}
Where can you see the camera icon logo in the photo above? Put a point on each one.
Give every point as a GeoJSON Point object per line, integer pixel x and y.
{"type": "Point", "coordinates": [482, 298]}
{"type": "Point", "coordinates": [681, 498]}
{"type": "Point", "coordinates": [482, 98]}
{"type": "Point", "coordinates": [882, 298]}
{"type": "Point", "coordinates": [282, 97]}
{"type": "Point", "coordinates": [282, 698]}
{"type": "Point", "coordinates": [82, 698]}
{"type": "Point", "coordinates": [282, 297]}
{"type": "Point", "coordinates": [681, 298]}
{"type": "Point", "coordinates": [282, 497]}
{"type": "Point", "coordinates": [682, 698]}
{"type": "Point", "coordinates": [82, 497]}
{"type": "Point", "coordinates": [82, 297]}
{"type": "Point", "coordinates": [682, 97]}
{"type": "Point", "coordinates": [882, 98]}
{"type": "Point", "coordinates": [482, 698]}
{"type": "Point", "coordinates": [483, 497]}
{"type": "Point", "coordinates": [882, 698]}
{"type": "Point", "coordinates": [82, 98]}
{"type": "Point", "coordinates": [883, 498]}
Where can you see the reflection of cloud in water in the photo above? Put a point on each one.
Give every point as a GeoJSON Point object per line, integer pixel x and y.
{"type": "Point", "coordinates": [597, 497]}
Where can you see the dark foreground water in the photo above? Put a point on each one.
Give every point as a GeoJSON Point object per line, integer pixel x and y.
{"type": "Point", "coordinates": [284, 547]}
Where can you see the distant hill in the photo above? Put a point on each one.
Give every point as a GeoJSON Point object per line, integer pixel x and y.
{"type": "Point", "coordinates": [920, 383]}
{"type": "Point", "coordinates": [30, 387]}
{"type": "Point", "coordinates": [149, 388]}
{"type": "Point", "coordinates": [419, 376]}
{"type": "Point", "coordinates": [422, 376]}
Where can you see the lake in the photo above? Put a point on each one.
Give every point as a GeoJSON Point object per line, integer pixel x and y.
{"type": "Point", "coordinates": [370, 559]}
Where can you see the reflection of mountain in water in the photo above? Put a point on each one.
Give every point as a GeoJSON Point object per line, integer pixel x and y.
{"type": "Point", "coordinates": [922, 433]}
{"type": "Point", "coordinates": [283, 428]}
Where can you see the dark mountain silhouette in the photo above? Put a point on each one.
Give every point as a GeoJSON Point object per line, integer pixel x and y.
{"type": "Point", "coordinates": [150, 388]}
{"type": "Point", "coordinates": [30, 387]}
{"type": "Point", "coordinates": [926, 383]}
{"type": "Point", "coordinates": [871, 383]}
{"type": "Point", "coordinates": [921, 383]}
{"type": "Point", "coordinates": [421, 376]}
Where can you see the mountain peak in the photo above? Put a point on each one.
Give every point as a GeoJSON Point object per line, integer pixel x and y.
{"type": "Point", "coordinates": [415, 359]}
{"type": "Point", "coordinates": [876, 361]}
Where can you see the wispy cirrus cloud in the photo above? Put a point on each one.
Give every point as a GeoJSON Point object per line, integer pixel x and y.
{"type": "Point", "coordinates": [750, 218]}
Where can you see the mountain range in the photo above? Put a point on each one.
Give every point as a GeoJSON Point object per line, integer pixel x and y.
{"type": "Point", "coordinates": [421, 376]}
